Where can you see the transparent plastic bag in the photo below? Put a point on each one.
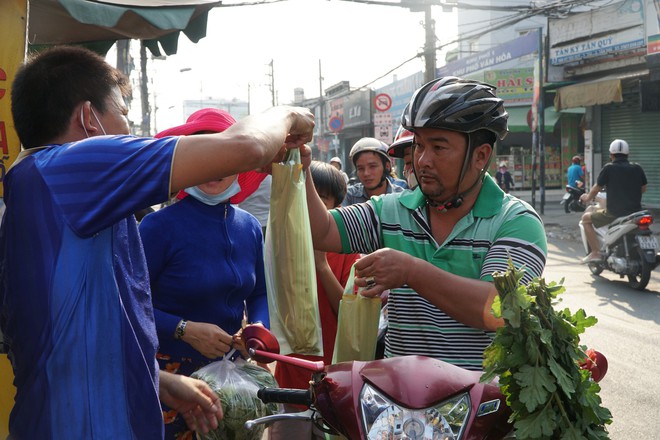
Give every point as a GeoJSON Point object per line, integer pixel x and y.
{"type": "Point", "coordinates": [237, 383]}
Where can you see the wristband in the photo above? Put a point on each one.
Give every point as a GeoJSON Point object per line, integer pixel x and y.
{"type": "Point", "coordinates": [180, 329]}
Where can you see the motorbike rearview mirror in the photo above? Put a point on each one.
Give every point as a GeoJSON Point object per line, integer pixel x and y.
{"type": "Point", "coordinates": [263, 347]}
{"type": "Point", "coordinates": [258, 337]}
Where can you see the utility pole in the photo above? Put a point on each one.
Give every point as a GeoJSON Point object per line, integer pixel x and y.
{"type": "Point", "coordinates": [144, 92]}
{"type": "Point", "coordinates": [272, 81]}
{"type": "Point", "coordinates": [429, 45]}
{"type": "Point", "coordinates": [429, 31]}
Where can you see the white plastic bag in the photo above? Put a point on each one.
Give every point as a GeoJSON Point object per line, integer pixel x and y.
{"type": "Point", "coordinates": [237, 383]}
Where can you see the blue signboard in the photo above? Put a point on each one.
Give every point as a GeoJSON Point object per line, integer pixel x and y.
{"type": "Point", "coordinates": [517, 48]}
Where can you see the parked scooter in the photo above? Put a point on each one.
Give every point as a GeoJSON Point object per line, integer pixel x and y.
{"type": "Point", "coordinates": [628, 246]}
{"type": "Point", "coordinates": [571, 200]}
{"type": "Point", "coordinates": [408, 397]}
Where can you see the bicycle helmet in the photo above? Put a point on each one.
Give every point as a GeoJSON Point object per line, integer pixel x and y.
{"type": "Point", "coordinates": [619, 146]}
{"type": "Point", "coordinates": [462, 105]}
{"type": "Point", "coordinates": [456, 104]}
{"type": "Point", "coordinates": [369, 144]}
{"type": "Point", "coordinates": [403, 139]}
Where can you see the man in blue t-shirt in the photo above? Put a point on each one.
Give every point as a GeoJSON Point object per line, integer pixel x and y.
{"type": "Point", "coordinates": [75, 305]}
{"type": "Point", "coordinates": [575, 173]}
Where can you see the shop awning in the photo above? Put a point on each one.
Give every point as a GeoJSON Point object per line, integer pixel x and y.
{"type": "Point", "coordinates": [590, 93]}
{"type": "Point", "coordinates": [518, 119]}
{"type": "Point", "coordinates": [157, 22]}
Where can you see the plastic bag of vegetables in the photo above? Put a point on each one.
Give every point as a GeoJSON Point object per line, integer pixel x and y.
{"type": "Point", "coordinates": [236, 384]}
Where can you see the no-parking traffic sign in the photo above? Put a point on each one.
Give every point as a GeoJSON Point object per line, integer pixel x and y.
{"type": "Point", "coordinates": [335, 124]}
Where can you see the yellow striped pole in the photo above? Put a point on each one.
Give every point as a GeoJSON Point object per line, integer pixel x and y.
{"type": "Point", "coordinates": [13, 22]}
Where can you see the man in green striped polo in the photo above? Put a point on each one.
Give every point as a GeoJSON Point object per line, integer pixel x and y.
{"type": "Point", "coordinates": [437, 247]}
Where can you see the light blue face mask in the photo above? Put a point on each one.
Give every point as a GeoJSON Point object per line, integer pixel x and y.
{"type": "Point", "coordinates": [212, 200]}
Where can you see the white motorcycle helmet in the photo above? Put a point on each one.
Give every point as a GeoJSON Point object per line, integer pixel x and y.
{"type": "Point", "coordinates": [619, 146]}
{"type": "Point", "coordinates": [369, 144]}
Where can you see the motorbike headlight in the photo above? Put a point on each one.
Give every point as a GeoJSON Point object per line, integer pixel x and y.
{"type": "Point", "coordinates": [384, 419]}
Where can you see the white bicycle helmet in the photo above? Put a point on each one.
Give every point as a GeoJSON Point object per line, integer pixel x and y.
{"type": "Point", "coordinates": [457, 104]}
{"type": "Point", "coordinates": [619, 146]}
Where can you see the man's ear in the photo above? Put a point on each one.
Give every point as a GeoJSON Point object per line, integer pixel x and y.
{"type": "Point", "coordinates": [83, 119]}
{"type": "Point", "coordinates": [86, 121]}
{"type": "Point", "coordinates": [481, 155]}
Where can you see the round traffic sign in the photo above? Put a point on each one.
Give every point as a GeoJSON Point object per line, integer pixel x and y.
{"type": "Point", "coordinates": [336, 123]}
{"type": "Point", "coordinates": [383, 102]}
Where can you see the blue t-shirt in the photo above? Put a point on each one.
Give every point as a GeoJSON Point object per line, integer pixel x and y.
{"type": "Point", "coordinates": [75, 305]}
{"type": "Point", "coordinates": [574, 172]}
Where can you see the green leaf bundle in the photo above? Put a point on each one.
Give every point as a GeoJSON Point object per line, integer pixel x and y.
{"type": "Point", "coordinates": [537, 355]}
{"type": "Point", "coordinates": [236, 384]}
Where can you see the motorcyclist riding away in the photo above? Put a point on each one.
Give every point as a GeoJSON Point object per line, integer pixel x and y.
{"type": "Point", "coordinates": [625, 183]}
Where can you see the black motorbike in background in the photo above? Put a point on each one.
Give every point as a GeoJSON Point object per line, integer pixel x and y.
{"type": "Point", "coordinates": [571, 200]}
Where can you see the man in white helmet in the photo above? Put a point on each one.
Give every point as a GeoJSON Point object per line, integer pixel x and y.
{"type": "Point", "coordinates": [625, 183]}
{"type": "Point", "coordinates": [436, 247]}
{"type": "Point", "coordinates": [372, 166]}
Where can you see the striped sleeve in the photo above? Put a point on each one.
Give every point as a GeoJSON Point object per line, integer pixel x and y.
{"type": "Point", "coordinates": [522, 239]}
{"type": "Point", "coordinates": [359, 227]}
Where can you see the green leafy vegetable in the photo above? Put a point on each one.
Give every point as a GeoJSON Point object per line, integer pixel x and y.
{"type": "Point", "coordinates": [236, 384]}
{"type": "Point", "coordinates": [536, 355]}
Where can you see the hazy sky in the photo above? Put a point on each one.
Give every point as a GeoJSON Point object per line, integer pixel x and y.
{"type": "Point", "coordinates": [355, 42]}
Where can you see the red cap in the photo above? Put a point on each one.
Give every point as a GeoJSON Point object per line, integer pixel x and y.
{"type": "Point", "coordinates": [216, 120]}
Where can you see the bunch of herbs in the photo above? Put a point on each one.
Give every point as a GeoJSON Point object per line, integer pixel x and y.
{"type": "Point", "coordinates": [537, 356]}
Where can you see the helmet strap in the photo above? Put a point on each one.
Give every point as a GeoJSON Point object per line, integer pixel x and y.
{"type": "Point", "coordinates": [457, 199]}
{"type": "Point", "coordinates": [383, 177]}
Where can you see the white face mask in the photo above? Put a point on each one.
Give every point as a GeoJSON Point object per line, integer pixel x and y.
{"type": "Point", "coordinates": [82, 121]}
{"type": "Point", "coordinates": [211, 200]}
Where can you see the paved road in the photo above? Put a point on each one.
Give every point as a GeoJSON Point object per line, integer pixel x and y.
{"type": "Point", "coordinates": [628, 331]}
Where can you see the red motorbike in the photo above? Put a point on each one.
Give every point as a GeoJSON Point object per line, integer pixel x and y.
{"type": "Point", "coordinates": [408, 397]}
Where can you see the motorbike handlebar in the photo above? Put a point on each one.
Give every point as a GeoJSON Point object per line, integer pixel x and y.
{"type": "Point", "coordinates": [285, 395]}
